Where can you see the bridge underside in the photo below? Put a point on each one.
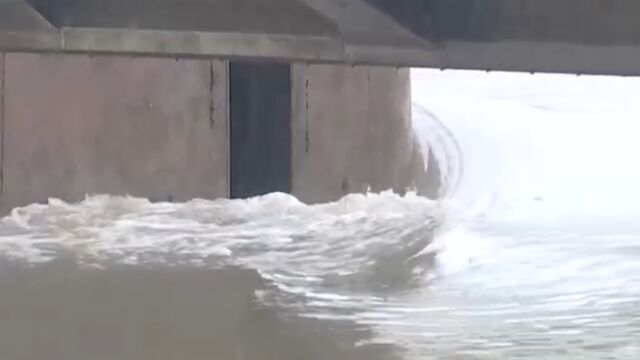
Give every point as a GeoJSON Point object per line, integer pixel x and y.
{"type": "Point", "coordinates": [574, 36]}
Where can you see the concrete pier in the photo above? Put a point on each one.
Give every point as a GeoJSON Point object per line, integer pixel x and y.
{"type": "Point", "coordinates": [81, 124]}
{"type": "Point", "coordinates": [352, 131]}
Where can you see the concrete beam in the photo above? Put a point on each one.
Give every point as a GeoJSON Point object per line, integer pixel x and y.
{"type": "Point", "coordinates": [568, 36]}
{"type": "Point", "coordinates": [620, 60]}
{"type": "Point", "coordinates": [16, 15]}
{"type": "Point", "coordinates": [291, 30]}
{"type": "Point", "coordinates": [226, 16]}
{"type": "Point", "coordinates": [192, 43]}
{"type": "Point", "coordinates": [587, 22]}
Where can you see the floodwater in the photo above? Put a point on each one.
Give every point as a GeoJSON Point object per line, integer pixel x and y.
{"type": "Point", "coordinates": [533, 253]}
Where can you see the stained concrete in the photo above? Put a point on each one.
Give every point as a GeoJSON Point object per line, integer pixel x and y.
{"type": "Point", "coordinates": [351, 130]}
{"type": "Point", "coordinates": [77, 124]}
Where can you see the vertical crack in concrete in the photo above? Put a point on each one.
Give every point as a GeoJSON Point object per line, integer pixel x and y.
{"type": "Point", "coordinates": [306, 105]}
{"type": "Point", "coordinates": [369, 137]}
{"type": "Point", "coordinates": [2, 118]}
{"type": "Point", "coordinates": [212, 105]}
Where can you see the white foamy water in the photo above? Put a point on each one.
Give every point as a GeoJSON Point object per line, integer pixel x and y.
{"type": "Point", "coordinates": [545, 262]}
{"type": "Point", "coordinates": [533, 254]}
{"type": "Point", "coordinates": [373, 242]}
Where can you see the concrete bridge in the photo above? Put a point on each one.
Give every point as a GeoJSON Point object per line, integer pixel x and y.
{"type": "Point", "coordinates": [176, 99]}
{"type": "Point", "coordinates": [575, 36]}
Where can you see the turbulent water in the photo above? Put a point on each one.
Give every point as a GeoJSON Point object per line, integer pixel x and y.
{"type": "Point", "coordinates": [533, 251]}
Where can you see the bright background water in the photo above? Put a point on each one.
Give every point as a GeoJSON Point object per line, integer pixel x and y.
{"type": "Point", "coordinates": [533, 254]}
{"type": "Point", "coordinates": [544, 261]}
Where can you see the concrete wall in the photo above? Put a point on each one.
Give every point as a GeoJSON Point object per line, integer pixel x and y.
{"type": "Point", "coordinates": [351, 129]}
{"type": "Point", "coordinates": [77, 124]}
{"type": "Point", "coordinates": [73, 125]}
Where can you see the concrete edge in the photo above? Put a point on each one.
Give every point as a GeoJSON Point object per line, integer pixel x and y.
{"type": "Point", "coordinates": [314, 49]}
{"type": "Point", "coordinates": [389, 55]}
{"type": "Point", "coordinates": [537, 57]}
{"type": "Point", "coordinates": [30, 41]}
{"type": "Point", "coordinates": [193, 43]}
{"type": "Point", "coordinates": [490, 56]}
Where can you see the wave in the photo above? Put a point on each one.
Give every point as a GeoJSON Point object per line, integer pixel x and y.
{"type": "Point", "coordinates": [372, 242]}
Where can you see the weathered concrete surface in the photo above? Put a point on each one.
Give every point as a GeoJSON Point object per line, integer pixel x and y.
{"type": "Point", "coordinates": [76, 124]}
{"type": "Point", "coordinates": [363, 25]}
{"type": "Point", "coordinates": [158, 128]}
{"type": "Point", "coordinates": [2, 113]}
{"type": "Point", "coordinates": [539, 57]}
{"type": "Point", "coordinates": [351, 130]}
